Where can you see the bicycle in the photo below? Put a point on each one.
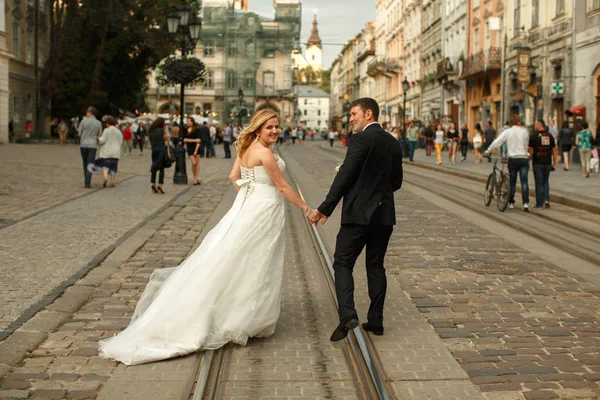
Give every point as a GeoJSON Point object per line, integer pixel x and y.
{"type": "Point", "coordinates": [498, 186]}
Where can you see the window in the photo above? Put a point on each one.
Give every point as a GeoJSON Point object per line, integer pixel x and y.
{"type": "Point", "coordinates": [231, 80]}
{"type": "Point", "coordinates": [208, 80]}
{"type": "Point", "coordinates": [560, 7]}
{"type": "Point", "coordinates": [319, 113]}
{"type": "Point", "coordinates": [16, 39]}
{"type": "Point", "coordinates": [269, 49]}
{"type": "Point", "coordinates": [319, 122]}
{"type": "Point", "coordinates": [249, 82]}
{"type": "Point", "coordinates": [593, 5]}
{"type": "Point", "coordinates": [207, 107]}
{"type": "Point", "coordinates": [517, 26]}
{"type": "Point", "coordinates": [304, 112]}
{"type": "Point", "coordinates": [535, 13]}
{"type": "Point", "coordinates": [198, 110]}
{"type": "Point", "coordinates": [269, 82]}
{"type": "Point", "coordinates": [558, 71]}
{"type": "Point", "coordinates": [232, 50]}
{"type": "Point", "coordinates": [476, 42]}
{"type": "Point", "coordinates": [209, 48]}
{"type": "Point", "coordinates": [29, 45]}
{"type": "Point", "coordinates": [305, 101]}
{"type": "Point", "coordinates": [189, 108]}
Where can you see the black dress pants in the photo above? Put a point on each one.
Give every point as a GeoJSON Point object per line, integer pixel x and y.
{"type": "Point", "coordinates": [227, 149]}
{"type": "Point", "coordinates": [350, 242]}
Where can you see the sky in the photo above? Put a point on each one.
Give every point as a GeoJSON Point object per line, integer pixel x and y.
{"type": "Point", "coordinates": [339, 21]}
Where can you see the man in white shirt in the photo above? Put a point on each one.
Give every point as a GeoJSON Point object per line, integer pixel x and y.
{"type": "Point", "coordinates": [331, 137]}
{"type": "Point", "coordinates": [517, 142]}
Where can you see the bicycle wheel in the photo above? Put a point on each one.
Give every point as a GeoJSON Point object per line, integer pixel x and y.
{"type": "Point", "coordinates": [489, 190]}
{"type": "Point", "coordinates": [503, 193]}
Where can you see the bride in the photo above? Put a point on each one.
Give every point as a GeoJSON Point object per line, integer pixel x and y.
{"type": "Point", "coordinates": [229, 289]}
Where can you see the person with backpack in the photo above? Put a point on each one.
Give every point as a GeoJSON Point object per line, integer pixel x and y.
{"type": "Point", "coordinates": [566, 138]}
{"type": "Point", "coordinates": [544, 154]}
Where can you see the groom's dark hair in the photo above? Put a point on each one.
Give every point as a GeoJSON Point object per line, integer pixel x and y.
{"type": "Point", "coordinates": [367, 103]}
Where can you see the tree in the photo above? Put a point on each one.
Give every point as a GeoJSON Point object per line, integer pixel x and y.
{"type": "Point", "coordinates": [325, 83]}
{"type": "Point", "coordinates": [101, 53]}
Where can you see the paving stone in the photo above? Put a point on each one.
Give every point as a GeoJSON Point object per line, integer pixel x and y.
{"type": "Point", "coordinates": [81, 394]}
{"type": "Point", "coordinates": [14, 394]}
{"type": "Point", "coordinates": [540, 395]}
{"type": "Point", "coordinates": [497, 352]}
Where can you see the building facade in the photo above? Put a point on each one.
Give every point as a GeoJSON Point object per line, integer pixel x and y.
{"type": "Point", "coordinates": [312, 58]}
{"type": "Point", "coordinates": [431, 55]}
{"type": "Point", "coordinates": [586, 76]}
{"type": "Point", "coordinates": [22, 44]}
{"type": "Point", "coordinates": [545, 33]}
{"type": "Point", "coordinates": [482, 66]}
{"type": "Point", "coordinates": [241, 51]}
{"type": "Point", "coordinates": [453, 38]}
{"type": "Point", "coordinates": [411, 20]}
{"type": "Point", "coordinates": [4, 81]}
{"type": "Point", "coordinates": [313, 104]}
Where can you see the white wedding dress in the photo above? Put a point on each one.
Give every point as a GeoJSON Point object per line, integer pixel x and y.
{"type": "Point", "coordinates": [228, 290]}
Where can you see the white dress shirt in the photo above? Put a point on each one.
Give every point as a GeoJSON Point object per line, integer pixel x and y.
{"type": "Point", "coordinates": [516, 139]}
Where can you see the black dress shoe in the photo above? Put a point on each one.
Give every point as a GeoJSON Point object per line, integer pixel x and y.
{"type": "Point", "coordinates": [377, 330]}
{"type": "Point", "coordinates": [342, 329]}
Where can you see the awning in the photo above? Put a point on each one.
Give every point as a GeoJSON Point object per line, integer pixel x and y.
{"type": "Point", "coordinates": [576, 110]}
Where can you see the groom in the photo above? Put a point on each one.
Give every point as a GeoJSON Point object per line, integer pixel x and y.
{"type": "Point", "coordinates": [367, 180]}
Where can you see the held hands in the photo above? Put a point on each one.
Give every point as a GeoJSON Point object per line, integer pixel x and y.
{"type": "Point", "coordinates": [315, 216]}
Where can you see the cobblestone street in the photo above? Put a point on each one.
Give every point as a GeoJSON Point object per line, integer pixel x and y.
{"type": "Point", "coordinates": [469, 314]}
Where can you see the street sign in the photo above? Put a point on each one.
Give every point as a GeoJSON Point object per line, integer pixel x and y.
{"type": "Point", "coordinates": [557, 88]}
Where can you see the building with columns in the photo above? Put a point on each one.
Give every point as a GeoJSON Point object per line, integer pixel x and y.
{"type": "Point", "coordinates": [453, 38]}
{"type": "Point", "coordinates": [546, 34]}
{"type": "Point", "coordinates": [586, 76]}
{"type": "Point", "coordinates": [411, 20]}
{"type": "Point", "coordinates": [242, 51]}
{"type": "Point", "coordinates": [431, 55]}
{"type": "Point", "coordinates": [483, 63]}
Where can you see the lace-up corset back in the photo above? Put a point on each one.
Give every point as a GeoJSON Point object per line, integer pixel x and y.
{"type": "Point", "coordinates": [258, 175]}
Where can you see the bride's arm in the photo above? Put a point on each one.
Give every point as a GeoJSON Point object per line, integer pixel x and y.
{"type": "Point", "coordinates": [270, 164]}
{"type": "Point", "coordinates": [236, 173]}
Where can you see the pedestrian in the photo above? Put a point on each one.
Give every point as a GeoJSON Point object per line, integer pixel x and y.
{"type": "Point", "coordinates": [62, 130]}
{"type": "Point", "coordinates": [227, 137]}
{"type": "Point", "coordinates": [584, 144]}
{"type": "Point", "coordinates": [517, 140]}
{"type": "Point", "coordinates": [157, 138]}
{"type": "Point", "coordinates": [503, 148]}
{"type": "Point", "coordinates": [331, 137]}
{"type": "Point", "coordinates": [440, 137]}
{"type": "Point", "coordinates": [11, 131]}
{"type": "Point", "coordinates": [477, 142]}
{"type": "Point", "coordinates": [294, 135]}
{"type": "Point", "coordinates": [428, 136]}
{"type": "Point", "coordinates": [287, 136]}
{"type": "Point", "coordinates": [566, 138]}
{"type": "Point", "coordinates": [111, 142]}
{"type": "Point", "coordinates": [28, 129]}
{"type": "Point", "coordinates": [554, 130]}
{"type": "Point", "coordinates": [204, 135]}
{"type": "Point", "coordinates": [544, 154]}
{"type": "Point", "coordinates": [213, 138]}
{"type": "Point", "coordinates": [127, 139]}
{"type": "Point", "coordinates": [89, 131]}
{"type": "Point", "coordinates": [300, 135]}
{"type": "Point", "coordinates": [464, 141]}
{"type": "Point", "coordinates": [193, 144]}
{"type": "Point", "coordinates": [452, 136]}
{"type": "Point", "coordinates": [412, 137]}
{"type": "Point", "coordinates": [490, 135]}
{"type": "Point", "coordinates": [141, 137]}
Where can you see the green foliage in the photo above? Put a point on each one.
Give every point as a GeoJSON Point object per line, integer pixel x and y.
{"type": "Point", "coordinates": [177, 70]}
{"type": "Point", "coordinates": [102, 53]}
{"type": "Point", "coordinates": [326, 80]}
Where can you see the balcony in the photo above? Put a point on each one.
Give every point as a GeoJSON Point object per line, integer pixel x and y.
{"type": "Point", "coordinates": [393, 66]}
{"type": "Point", "coordinates": [444, 70]}
{"type": "Point", "coordinates": [483, 62]}
{"type": "Point", "coordinates": [376, 67]}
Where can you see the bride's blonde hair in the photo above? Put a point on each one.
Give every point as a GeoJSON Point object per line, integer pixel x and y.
{"type": "Point", "coordinates": [249, 134]}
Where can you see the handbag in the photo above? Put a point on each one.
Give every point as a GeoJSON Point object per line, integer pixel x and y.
{"type": "Point", "coordinates": [170, 156]}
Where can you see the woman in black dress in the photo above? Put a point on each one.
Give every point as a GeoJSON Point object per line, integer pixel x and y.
{"type": "Point", "coordinates": [158, 137]}
{"type": "Point", "coordinates": [192, 142]}
{"type": "Point", "coordinates": [452, 136]}
{"type": "Point", "coordinates": [566, 139]}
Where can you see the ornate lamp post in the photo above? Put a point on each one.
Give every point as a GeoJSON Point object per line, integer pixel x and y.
{"type": "Point", "coordinates": [241, 99]}
{"type": "Point", "coordinates": [185, 34]}
{"type": "Point", "coordinates": [405, 87]}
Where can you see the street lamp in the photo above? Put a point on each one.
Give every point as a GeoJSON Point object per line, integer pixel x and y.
{"type": "Point", "coordinates": [405, 87]}
{"type": "Point", "coordinates": [185, 34]}
{"type": "Point", "coordinates": [241, 99]}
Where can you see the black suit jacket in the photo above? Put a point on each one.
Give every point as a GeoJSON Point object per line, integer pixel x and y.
{"type": "Point", "coordinates": [368, 178]}
{"type": "Point", "coordinates": [204, 133]}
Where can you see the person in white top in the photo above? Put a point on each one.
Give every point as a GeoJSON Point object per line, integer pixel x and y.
{"type": "Point", "coordinates": [213, 138]}
{"type": "Point", "coordinates": [331, 137]}
{"type": "Point", "coordinates": [111, 142]}
{"type": "Point", "coordinates": [517, 142]}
